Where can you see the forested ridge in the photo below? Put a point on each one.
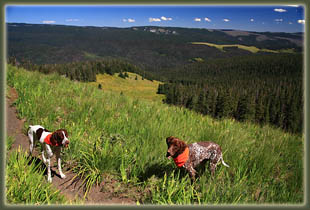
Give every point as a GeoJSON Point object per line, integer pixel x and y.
{"type": "Point", "coordinates": [148, 47]}
{"type": "Point", "coordinates": [264, 88]}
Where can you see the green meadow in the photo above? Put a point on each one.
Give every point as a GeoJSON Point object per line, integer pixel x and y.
{"type": "Point", "coordinates": [251, 49]}
{"type": "Point", "coordinates": [134, 86]}
{"type": "Point", "coordinates": [116, 136]}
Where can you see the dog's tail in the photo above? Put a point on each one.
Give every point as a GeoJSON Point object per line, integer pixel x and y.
{"type": "Point", "coordinates": [29, 127]}
{"type": "Point", "coordinates": [224, 162]}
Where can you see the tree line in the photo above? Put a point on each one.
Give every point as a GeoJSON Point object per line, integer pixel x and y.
{"type": "Point", "coordinates": [85, 71]}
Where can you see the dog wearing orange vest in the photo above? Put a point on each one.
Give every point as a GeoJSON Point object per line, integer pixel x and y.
{"type": "Point", "coordinates": [51, 142]}
{"type": "Point", "coordinates": [189, 156]}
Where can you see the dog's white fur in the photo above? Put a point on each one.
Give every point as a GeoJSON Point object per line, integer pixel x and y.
{"type": "Point", "coordinates": [48, 149]}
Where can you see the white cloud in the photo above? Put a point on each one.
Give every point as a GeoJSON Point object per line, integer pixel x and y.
{"type": "Point", "coordinates": [166, 18]}
{"type": "Point", "coordinates": [290, 23]}
{"type": "Point", "coordinates": [154, 19]}
{"type": "Point", "coordinates": [278, 20]}
{"type": "Point", "coordinates": [72, 20]}
{"type": "Point", "coordinates": [252, 20]}
{"type": "Point", "coordinates": [197, 19]}
{"type": "Point", "coordinates": [226, 20]}
{"type": "Point", "coordinates": [129, 20]}
{"type": "Point", "coordinates": [279, 10]}
{"type": "Point", "coordinates": [301, 21]}
{"type": "Point", "coordinates": [292, 5]}
{"type": "Point", "coordinates": [48, 21]}
{"type": "Point", "coordinates": [207, 19]}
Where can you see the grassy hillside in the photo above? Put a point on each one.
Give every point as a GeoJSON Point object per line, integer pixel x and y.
{"type": "Point", "coordinates": [133, 86]}
{"type": "Point", "coordinates": [116, 135]}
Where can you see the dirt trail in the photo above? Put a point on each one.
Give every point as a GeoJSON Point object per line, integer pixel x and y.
{"type": "Point", "coordinates": [71, 190]}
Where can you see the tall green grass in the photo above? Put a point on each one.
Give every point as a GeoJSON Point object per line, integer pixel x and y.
{"type": "Point", "coordinates": [114, 134]}
{"type": "Point", "coordinates": [26, 184]}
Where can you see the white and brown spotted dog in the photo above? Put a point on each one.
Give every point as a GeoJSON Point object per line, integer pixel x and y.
{"type": "Point", "coordinates": [189, 156]}
{"type": "Point", "coordinates": [51, 142]}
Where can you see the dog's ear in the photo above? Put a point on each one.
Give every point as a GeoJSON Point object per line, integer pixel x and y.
{"type": "Point", "coordinates": [54, 138]}
{"type": "Point", "coordinates": [181, 145]}
{"type": "Point", "coordinates": [57, 137]}
{"type": "Point", "coordinates": [169, 139]}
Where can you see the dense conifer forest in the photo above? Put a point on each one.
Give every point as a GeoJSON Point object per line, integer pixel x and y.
{"type": "Point", "coordinates": [262, 89]}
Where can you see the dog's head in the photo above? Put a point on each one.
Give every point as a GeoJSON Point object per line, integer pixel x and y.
{"type": "Point", "coordinates": [60, 137]}
{"type": "Point", "coordinates": [175, 147]}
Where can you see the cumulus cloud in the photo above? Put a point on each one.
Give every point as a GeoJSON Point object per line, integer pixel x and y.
{"type": "Point", "coordinates": [301, 21]}
{"type": "Point", "coordinates": [226, 20]}
{"type": "Point", "coordinates": [207, 19]}
{"type": "Point", "coordinates": [279, 10]}
{"type": "Point", "coordinates": [48, 21]}
{"type": "Point", "coordinates": [197, 19]}
{"type": "Point", "coordinates": [154, 19]}
{"type": "Point", "coordinates": [252, 20]}
{"type": "Point", "coordinates": [72, 20]}
{"type": "Point", "coordinates": [165, 18]}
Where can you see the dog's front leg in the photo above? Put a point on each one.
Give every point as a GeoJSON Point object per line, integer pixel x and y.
{"type": "Point", "coordinates": [192, 173]}
{"type": "Point", "coordinates": [49, 173]}
{"type": "Point", "coordinates": [49, 154]}
{"type": "Point", "coordinates": [43, 157]}
{"type": "Point", "coordinates": [63, 176]}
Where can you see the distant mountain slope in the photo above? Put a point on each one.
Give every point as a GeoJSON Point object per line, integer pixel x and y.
{"type": "Point", "coordinates": [148, 46]}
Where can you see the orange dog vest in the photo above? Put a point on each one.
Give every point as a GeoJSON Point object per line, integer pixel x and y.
{"type": "Point", "coordinates": [182, 158]}
{"type": "Point", "coordinates": [47, 140]}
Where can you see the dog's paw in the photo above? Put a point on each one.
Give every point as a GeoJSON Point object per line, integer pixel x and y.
{"type": "Point", "coordinates": [63, 176]}
{"type": "Point", "coordinates": [49, 179]}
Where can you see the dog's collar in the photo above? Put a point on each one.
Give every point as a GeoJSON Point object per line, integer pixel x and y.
{"type": "Point", "coordinates": [47, 140]}
{"type": "Point", "coordinates": [182, 158]}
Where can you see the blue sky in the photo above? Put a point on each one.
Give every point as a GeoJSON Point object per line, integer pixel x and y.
{"type": "Point", "coordinates": [273, 18]}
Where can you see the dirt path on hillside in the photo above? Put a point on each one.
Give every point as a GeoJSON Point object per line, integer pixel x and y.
{"type": "Point", "coordinates": [104, 194]}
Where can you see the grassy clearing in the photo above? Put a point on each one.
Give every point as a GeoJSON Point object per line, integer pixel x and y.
{"type": "Point", "coordinates": [133, 86]}
{"type": "Point", "coordinates": [125, 137]}
{"type": "Point", "coordinates": [25, 182]}
{"type": "Point", "coordinates": [92, 56]}
{"type": "Point", "coordinates": [251, 49]}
